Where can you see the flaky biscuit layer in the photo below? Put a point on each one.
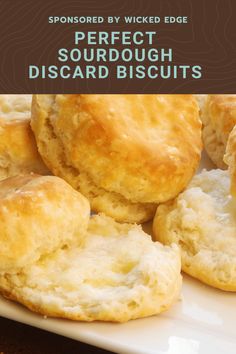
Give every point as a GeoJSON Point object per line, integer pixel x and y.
{"type": "Point", "coordinates": [117, 274]}
{"type": "Point", "coordinates": [202, 221]}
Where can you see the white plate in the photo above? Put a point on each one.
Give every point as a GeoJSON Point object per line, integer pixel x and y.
{"type": "Point", "coordinates": [203, 322]}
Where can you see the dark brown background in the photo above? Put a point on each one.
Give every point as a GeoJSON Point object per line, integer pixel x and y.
{"type": "Point", "coordinates": [209, 39]}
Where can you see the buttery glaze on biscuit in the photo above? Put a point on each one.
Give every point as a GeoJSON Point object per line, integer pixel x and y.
{"type": "Point", "coordinates": [141, 149]}
{"type": "Point", "coordinates": [18, 149]}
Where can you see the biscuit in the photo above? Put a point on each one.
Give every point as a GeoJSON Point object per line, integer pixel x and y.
{"type": "Point", "coordinates": [202, 221]}
{"type": "Point", "coordinates": [18, 150]}
{"type": "Point", "coordinates": [218, 117]}
{"type": "Point", "coordinates": [117, 274]}
{"type": "Point", "coordinates": [126, 153]}
{"type": "Point", "coordinates": [37, 215]}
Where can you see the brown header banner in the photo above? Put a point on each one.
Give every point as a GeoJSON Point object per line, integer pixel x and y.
{"type": "Point", "coordinates": [132, 46]}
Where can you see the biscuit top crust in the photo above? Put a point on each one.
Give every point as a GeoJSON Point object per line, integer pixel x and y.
{"type": "Point", "coordinates": [37, 215]}
{"type": "Point", "coordinates": [129, 143]}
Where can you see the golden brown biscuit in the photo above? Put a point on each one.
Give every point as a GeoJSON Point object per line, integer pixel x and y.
{"type": "Point", "coordinates": [37, 215]}
{"type": "Point", "coordinates": [202, 221]}
{"type": "Point", "coordinates": [18, 150]}
{"type": "Point", "coordinates": [118, 274]}
{"type": "Point", "coordinates": [124, 152]}
{"type": "Point", "coordinates": [218, 117]}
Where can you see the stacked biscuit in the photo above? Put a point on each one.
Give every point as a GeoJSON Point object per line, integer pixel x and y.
{"type": "Point", "coordinates": [57, 262]}
{"type": "Point", "coordinates": [127, 157]}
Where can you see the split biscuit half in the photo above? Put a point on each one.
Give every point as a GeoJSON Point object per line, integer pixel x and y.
{"type": "Point", "coordinates": [202, 221]}
{"type": "Point", "coordinates": [57, 264]}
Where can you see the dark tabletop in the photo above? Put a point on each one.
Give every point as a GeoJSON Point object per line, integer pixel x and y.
{"type": "Point", "coordinates": [16, 338]}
